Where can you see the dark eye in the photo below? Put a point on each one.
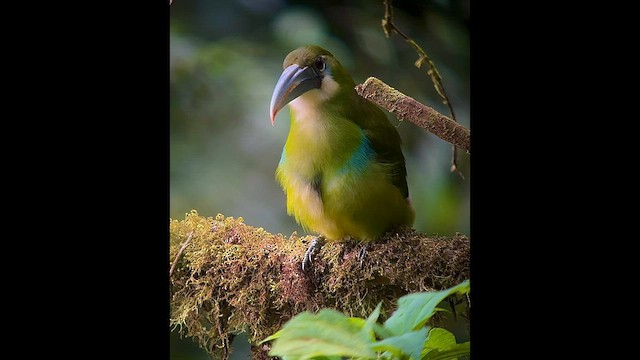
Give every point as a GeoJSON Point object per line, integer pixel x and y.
{"type": "Point", "coordinates": [320, 65]}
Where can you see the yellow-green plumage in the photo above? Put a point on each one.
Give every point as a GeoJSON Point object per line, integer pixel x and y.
{"type": "Point", "coordinates": [342, 168]}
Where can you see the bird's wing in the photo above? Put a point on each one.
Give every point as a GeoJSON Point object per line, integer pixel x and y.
{"type": "Point", "coordinates": [384, 140]}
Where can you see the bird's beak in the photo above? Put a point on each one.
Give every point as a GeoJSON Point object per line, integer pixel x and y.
{"type": "Point", "coordinates": [293, 82]}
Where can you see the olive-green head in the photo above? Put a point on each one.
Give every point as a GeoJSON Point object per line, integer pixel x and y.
{"type": "Point", "coordinates": [309, 70]}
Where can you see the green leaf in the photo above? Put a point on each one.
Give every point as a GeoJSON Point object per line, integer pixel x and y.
{"type": "Point", "coordinates": [443, 309]}
{"type": "Point", "coordinates": [357, 322]}
{"type": "Point", "coordinates": [328, 333]}
{"type": "Point", "coordinates": [407, 344]}
{"type": "Point", "coordinates": [414, 310]}
{"type": "Point", "coordinates": [453, 352]}
{"type": "Point", "coordinates": [272, 337]}
{"type": "Point", "coordinates": [441, 344]}
{"type": "Point", "coordinates": [371, 322]}
{"type": "Point", "coordinates": [440, 339]}
{"type": "Point", "coordinates": [381, 331]}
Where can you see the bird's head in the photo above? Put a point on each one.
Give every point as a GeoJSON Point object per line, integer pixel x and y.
{"type": "Point", "coordinates": [311, 75]}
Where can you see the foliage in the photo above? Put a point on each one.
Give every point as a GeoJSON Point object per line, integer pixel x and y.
{"type": "Point", "coordinates": [330, 334]}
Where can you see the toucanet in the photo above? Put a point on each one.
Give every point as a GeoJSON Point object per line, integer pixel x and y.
{"type": "Point", "coordinates": [342, 167]}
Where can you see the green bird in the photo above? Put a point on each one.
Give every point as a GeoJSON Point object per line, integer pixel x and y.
{"type": "Point", "coordinates": [342, 167]}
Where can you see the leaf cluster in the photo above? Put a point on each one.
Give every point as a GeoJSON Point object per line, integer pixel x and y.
{"type": "Point", "coordinates": [332, 335]}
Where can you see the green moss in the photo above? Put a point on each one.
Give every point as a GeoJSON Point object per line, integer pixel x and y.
{"type": "Point", "coordinates": [234, 278]}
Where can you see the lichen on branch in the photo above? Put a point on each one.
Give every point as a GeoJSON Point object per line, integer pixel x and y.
{"type": "Point", "coordinates": [232, 277]}
{"type": "Point", "coordinates": [407, 108]}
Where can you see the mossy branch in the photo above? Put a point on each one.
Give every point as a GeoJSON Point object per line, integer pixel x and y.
{"type": "Point", "coordinates": [407, 108]}
{"type": "Point", "coordinates": [232, 277]}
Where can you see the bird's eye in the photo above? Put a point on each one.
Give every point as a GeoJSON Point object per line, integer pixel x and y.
{"type": "Point", "coordinates": [320, 65]}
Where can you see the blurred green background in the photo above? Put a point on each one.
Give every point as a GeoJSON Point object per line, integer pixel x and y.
{"type": "Point", "coordinates": [225, 58]}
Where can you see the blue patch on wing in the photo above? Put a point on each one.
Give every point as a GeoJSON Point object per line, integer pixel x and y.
{"type": "Point", "coordinates": [282, 157]}
{"type": "Point", "coordinates": [360, 158]}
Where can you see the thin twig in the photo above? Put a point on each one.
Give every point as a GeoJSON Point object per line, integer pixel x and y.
{"type": "Point", "coordinates": [184, 245]}
{"type": "Point", "coordinates": [388, 26]}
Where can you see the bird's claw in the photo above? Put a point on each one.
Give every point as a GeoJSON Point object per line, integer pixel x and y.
{"type": "Point", "coordinates": [315, 246]}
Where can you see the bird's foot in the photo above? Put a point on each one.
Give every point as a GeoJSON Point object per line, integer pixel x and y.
{"type": "Point", "coordinates": [315, 246]}
{"type": "Point", "coordinates": [362, 253]}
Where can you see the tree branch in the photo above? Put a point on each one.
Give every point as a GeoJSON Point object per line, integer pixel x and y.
{"type": "Point", "coordinates": [232, 277]}
{"type": "Point", "coordinates": [407, 108]}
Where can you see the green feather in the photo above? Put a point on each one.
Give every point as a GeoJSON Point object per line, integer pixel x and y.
{"type": "Point", "coordinates": [384, 140]}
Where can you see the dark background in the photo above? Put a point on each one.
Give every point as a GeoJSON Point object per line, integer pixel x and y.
{"type": "Point", "coordinates": [225, 58]}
